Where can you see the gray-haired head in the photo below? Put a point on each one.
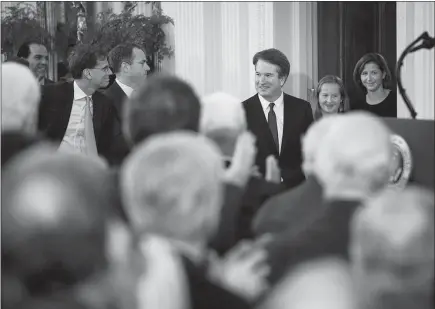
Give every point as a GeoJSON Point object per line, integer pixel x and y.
{"type": "Point", "coordinates": [223, 119]}
{"type": "Point", "coordinates": [171, 185]}
{"type": "Point", "coordinates": [312, 140]}
{"type": "Point", "coordinates": [53, 210]}
{"type": "Point", "coordinates": [353, 160]}
{"type": "Point", "coordinates": [392, 247]}
{"type": "Point", "coordinates": [20, 98]}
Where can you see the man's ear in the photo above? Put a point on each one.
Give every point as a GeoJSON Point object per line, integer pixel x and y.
{"type": "Point", "coordinates": [282, 80]}
{"type": "Point", "coordinates": [87, 74]}
{"type": "Point", "coordinates": [125, 67]}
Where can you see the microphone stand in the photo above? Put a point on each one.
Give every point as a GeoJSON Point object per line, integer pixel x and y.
{"type": "Point", "coordinates": [399, 78]}
{"type": "Point", "coordinates": [427, 43]}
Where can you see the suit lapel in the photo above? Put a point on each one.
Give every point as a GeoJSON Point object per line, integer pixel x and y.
{"type": "Point", "coordinates": [287, 121]}
{"type": "Point", "coordinates": [67, 94]}
{"type": "Point", "coordinates": [260, 120]}
{"type": "Point", "coordinates": [118, 96]}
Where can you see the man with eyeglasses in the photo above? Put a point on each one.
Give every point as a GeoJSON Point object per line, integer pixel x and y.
{"type": "Point", "coordinates": [73, 114]}
{"type": "Point", "coordinates": [128, 61]}
{"type": "Point", "coordinates": [36, 55]}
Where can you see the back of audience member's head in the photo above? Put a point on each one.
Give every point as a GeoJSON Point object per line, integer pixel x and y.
{"type": "Point", "coordinates": [223, 119]}
{"type": "Point", "coordinates": [53, 221]}
{"type": "Point", "coordinates": [319, 284]}
{"type": "Point", "coordinates": [180, 197]}
{"type": "Point", "coordinates": [162, 104]}
{"type": "Point", "coordinates": [392, 249]}
{"type": "Point", "coordinates": [311, 141]}
{"type": "Point", "coordinates": [18, 60]}
{"type": "Point", "coordinates": [20, 99]}
{"type": "Point", "coordinates": [354, 158]}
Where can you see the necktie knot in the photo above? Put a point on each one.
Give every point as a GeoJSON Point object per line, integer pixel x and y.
{"type": "Point", "coordinates": [271, 105]}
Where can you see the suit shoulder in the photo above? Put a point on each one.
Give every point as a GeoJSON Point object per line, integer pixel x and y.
{"type": "Point", "coordinates": [295, 100]}
{"type": "Point", "coordinates": [249, 100]}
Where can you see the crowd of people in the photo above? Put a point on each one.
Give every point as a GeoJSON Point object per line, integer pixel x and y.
{"type": "Point", "coordinates": [123, 189]}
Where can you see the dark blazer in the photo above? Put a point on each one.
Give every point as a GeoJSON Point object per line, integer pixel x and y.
{"type": "Point", "coordinates": [55, 110]}
{"type": "Point", "coordinates": [14, 142]}
{"type": "Point", "coordinates": [120, 147]}
{"type": "Point", "coordinates": [289, 210]}
{"type": "Point", "coordinates": [298, 116]}
{"type": "Point", "coordinates": [204, 294]}
{"type": "Point", "coordinates": [327, 234]}
{"type": "Point", "coordinates": [257, 191]}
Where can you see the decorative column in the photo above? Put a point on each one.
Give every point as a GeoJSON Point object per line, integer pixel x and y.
{"type": "Point", "coordinates": [418, 73]}
{"type": "Point", "coordinates": [50, 25]}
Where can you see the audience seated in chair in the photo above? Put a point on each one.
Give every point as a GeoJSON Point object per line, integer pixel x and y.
{"type": "Point", "coordinates": [291, 209]}
{"type": "Point", "coordinates": [392, 250]}
{"type": "Point", "coordinates": [352, 165]}
{"type": "Point", "coordinates": [60, 236]}
{"type": "Point", "coordinates": [180, 199]}
{"type": "Point", "coordinates": [165, 104]}
{"type": "Point", "coordinates": [20, 101]}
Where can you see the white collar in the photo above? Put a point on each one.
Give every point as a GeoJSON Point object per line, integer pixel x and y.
{"type": "Point", "coordinates": [278, 102]}
{"type": "Point", "coordinates": [127, 89]}
{"type": "Point", "coordinates": [78, 92]}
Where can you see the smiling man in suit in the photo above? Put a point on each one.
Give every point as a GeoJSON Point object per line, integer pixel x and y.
{"type": "Point", "coordinates": [277, 119]}
{"type": "Point", "coordinates": [129, 63]}
{"type": "Point", "coordinates": [73, 114]}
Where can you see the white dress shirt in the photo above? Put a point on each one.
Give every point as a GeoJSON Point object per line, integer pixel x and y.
{"type": "Point", "coordinates": [279, 112]}
{"type": "Point", "coordinates": [127, 89]}
{"type": "Point", "coordinates": [74, 138]}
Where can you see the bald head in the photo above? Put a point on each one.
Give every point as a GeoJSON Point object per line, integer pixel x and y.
{"type": "Point", "coordinates": [313, 138]}
{"type": "Point", "coordinates": [355, 156]}
{"type": "Point", "coordinates": [180, 196]}
{"type": "Point", "coordinates": [20, 98]}
{"type": "Point", "coordinates": [53, 212]}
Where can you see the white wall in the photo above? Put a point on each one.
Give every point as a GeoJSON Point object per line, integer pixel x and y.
{"type": "Point", "coordinates": [418, 71]}
{"type": "Point", "coordinates": [215, 42]}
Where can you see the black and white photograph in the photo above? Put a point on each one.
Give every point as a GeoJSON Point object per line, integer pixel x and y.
{"type": "Point", "coordinates": [217, 155]}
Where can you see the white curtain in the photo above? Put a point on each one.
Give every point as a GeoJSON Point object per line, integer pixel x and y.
{"type": "Point", "coordinates": [418, 71]}
{"type": "Point", "coordinates": [216, 41]}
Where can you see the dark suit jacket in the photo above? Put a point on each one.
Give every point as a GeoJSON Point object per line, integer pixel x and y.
{"type": "Point", "coordinates": [257, 191]}
{"type": "Point", "coordinates": [120, 148]}
{"type": "Point", "coordinates": [55, 110]}
{"type": "Point", "coordinates": [298, 116]}
{"type": "Point", "coordinates": [325, 235]}
{"type": "Point", "coordinates": [48, 81]}
{"type": "Point", "coordinates": [289, 210]}
{"type": "Point", "coordinates": [204, 294]}
{"type": "Point", "coordinates": [14, 142]}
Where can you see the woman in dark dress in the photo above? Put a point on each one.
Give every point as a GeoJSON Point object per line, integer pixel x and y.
{"type": "Point", "coordinates": [373, 77]}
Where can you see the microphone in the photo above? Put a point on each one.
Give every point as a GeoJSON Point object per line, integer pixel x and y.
{"type": "Point", "coordinates": [427, 43]}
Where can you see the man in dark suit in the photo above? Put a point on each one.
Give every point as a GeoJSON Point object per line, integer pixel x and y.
{"type": "Point", "coordinates": [223, 120]}
{"type": "Point", "coordinates": [128, 62]}
{"type": "Point", "coordinates": [277, 119]}
{"type": "Point", "coordinates": [37, 56]}
{"type": "Point", "coordinates": [73, 114]}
